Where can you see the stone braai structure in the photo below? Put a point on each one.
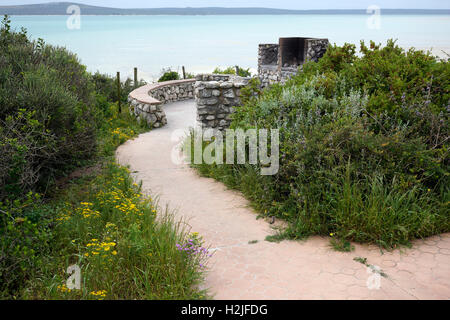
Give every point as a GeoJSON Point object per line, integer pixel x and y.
{"type": "Point", "coordinates": [278, 62]}
{"type": "Point", "coordinates": [216, 96]}
{"type": "Point", "coordinates": [146, 102]}
{"type": "Point", "coordinates": [268, 64]}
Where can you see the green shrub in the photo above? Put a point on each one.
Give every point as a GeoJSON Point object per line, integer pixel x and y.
{"type": "Point", "coordinates": [232, 70]}
{"type": "Point", "coordinates": [36, 234]}
{"type": "Point", "coordinates": [189, 75]}
{"type": "Point", "coordinates": [363, 171]}
{"type": "Point", "coordinates": [51, 112]}
{"type": "Point", "coordinates": [169, 75]}
{"type": "Point", "coordinates": [48, 118]}
{"type": "Point", "coordinates": [55, 116]}
{"type": "Point", "coordinates": [24, 242]}
{"type": "Point", "coordinates": [106, 86]}
{"type": "Point", "coordinates": [392, 77]}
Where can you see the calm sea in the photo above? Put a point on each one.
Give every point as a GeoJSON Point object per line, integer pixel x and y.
{"type": "Point", "coordinates": [200, 43]}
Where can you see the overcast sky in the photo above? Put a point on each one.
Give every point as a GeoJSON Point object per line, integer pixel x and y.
{"type": "Point", "coordinates": [285, 4]}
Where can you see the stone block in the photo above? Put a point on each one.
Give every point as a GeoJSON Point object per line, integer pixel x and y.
{"type": "Point", "coordinates": [205, 93]}
{"type": "Point", "coordinates": [226, 85]}
{"type": "Point", "coordinates": [160, 114]}
{"type": "Point", "coordinates": [151, 118]}
{"type": "Point", "coordinates": [212, 84]}
{"type": "Point", "coordinates": [211, 101]}
{"type": "Point", "coordinates": [229, 93]}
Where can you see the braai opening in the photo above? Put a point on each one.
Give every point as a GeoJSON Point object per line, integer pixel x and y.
{"type": "Point", "coordinates": [292, 51]}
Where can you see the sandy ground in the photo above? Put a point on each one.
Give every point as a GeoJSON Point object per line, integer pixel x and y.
{"type": "Point", "coordinates": [263, 270]}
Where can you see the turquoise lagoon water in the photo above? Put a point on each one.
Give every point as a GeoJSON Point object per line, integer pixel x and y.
{"type": "Point", "coordinates": [200, 43]}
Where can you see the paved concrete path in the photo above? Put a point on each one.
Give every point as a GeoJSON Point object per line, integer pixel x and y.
{"type": "Point", "coordinates": [263, 270]}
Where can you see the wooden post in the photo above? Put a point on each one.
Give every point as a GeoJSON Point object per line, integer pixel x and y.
{"type": "Point", "coordinates": [118, 92]}
{"type": "Point", "coordinates": [237, 70]}
{"type": "Point", "coordinates": [184, 73]}
{"type": "Point", "coordinates": [135, 78]}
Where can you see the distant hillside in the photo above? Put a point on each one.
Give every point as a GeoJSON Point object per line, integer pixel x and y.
{"type": "Point", "coordinates": [59, 8]}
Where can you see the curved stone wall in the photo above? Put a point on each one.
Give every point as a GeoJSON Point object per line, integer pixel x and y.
{"type": "Point", "coordinates": [146, 102]}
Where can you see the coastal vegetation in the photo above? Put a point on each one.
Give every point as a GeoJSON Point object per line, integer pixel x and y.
{"type": "Point", "coordinates": [63, 199]}
{"type": "Point", "coordinates": [168, 75]}
{"type": "Point", "coordinates": [364, 147]}
{"type": "Point", "coordinates": [232, 70]}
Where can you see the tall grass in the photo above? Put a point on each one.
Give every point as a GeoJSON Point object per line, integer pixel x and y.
{"type": "Point", "coordinates": [112, 232]}
{"type": "Point", "coordinates": [373, 210]}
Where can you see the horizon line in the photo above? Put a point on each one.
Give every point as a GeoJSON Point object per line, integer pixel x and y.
{"type": "Point", "coordinates": [214, 7]}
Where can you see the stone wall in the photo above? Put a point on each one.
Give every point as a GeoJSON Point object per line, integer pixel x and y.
{"type": "Point", "coordinates": [146, 102]}
{"type": "Point", "coordinates": [286, 73]}
{"type": "Point", "coordinates": [268, 54]}
{"type": "Point", "coordinates": [268, 75]}
{"type": "Point", "coordinates": [268, 72]}
{"type": "Point", "coordinates": [315, 49]}
{"type": "Point", "coordinates": [216, 96]}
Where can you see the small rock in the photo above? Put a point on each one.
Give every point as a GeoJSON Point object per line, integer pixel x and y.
{"type": "Point", "coordinates": [226, 85]}
{"type": "Point", "coordinates": [212, 84]}
{"type": "Point", "coordinates": [212, 101]}
{"type": "Point", "coordinates": [229, 94]}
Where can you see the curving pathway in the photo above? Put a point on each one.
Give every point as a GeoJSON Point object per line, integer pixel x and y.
{"type": "Point", "coordinates": [264, 270]}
